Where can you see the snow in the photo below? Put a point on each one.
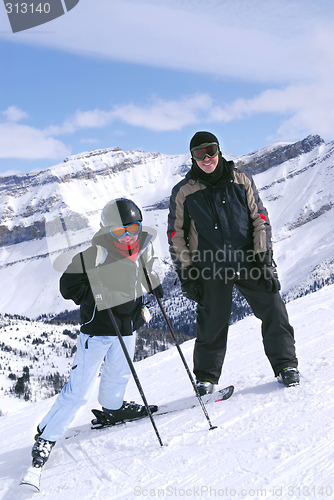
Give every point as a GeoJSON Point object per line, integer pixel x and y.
{"type": "Point", "coordinates": [271, 442]}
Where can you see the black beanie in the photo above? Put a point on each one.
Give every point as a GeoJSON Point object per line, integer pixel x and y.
{"type": "Point", "coordinates": [202, 138]}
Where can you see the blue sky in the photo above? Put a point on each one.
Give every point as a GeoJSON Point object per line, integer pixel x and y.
{"type": "Point", "coordinates": [148, 74]}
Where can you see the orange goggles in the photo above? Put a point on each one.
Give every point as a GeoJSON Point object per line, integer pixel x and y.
{"type": "Point", "coordinates": [130, 229]}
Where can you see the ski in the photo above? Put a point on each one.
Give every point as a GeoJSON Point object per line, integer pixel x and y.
{"type": "Point", "coordinates": [174, 406]}
{"type": "Point", "coordinates": [192, 401]}
{"type": "Point", "coordinates": [32, 478]}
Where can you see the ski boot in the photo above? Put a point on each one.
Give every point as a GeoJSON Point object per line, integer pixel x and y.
{"type": "Point", "coordinates": [41, 451]}
{"type": "Point", "coordinates": [289, 376]}
{"type": "Point", "coordinates": [128, 411]}
{"type": "Point", "coordinates": [205, 388]}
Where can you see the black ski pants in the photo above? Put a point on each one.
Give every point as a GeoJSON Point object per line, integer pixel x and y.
{"type": "Point", "coordinates": [213, 315]}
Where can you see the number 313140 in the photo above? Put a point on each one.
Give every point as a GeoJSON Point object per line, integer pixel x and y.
{"type": "Point", "coordinates": [25, 8]}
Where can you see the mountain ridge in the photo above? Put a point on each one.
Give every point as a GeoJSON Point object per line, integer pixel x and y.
{"type": "Point", "coordinates": [58, 209]}
{"type": "Point", "coordinates": [256, 162]}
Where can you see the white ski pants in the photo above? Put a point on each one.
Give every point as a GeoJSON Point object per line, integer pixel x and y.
{"type": "Point", "coordinates": [86, 365]}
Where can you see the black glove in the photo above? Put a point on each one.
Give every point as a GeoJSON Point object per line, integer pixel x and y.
{"type": "Point", "coordinates": [191, 288]}
{"type": "Point", "coordinates": [267, 266]}
{"type": "Point", "coordinates": [158, 292]}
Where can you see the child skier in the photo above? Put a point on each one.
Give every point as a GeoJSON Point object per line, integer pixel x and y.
{"type": "Point", "coordinates": [109, 274]}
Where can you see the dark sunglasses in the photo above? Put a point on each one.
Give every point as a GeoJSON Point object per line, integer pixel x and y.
{"type": "Point", "coordinates": [130, 229]}
{"type": "Point", "coordinates": [200, 152]}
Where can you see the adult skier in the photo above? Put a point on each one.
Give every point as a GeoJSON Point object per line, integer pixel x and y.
{"type": "Point", "coordinates": [109, 274]}
{"type": "Point", "coordinates": [220, 237]}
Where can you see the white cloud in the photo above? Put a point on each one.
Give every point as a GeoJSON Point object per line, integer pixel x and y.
{"type": "Point", "coordinates": [158, 115]}
{"type": "Point", "coordinates": [313, 115]}
{"type": "Point", "coordinates": [287, 44]}
{"type": "Point", "coordinates": [308, 106]}
{"type": "Point", "coordinates": [14, 114]}
{"type": "Point", "coordinates": [163, 115]}
{"type": "Point", "coordinates": [95, 118]}
{"type": "Point", "coordinates": [22, 141]}
{"type": "Point", "coordinates": [253, 40]}
{"type": "Point", "coordinates": [305, 109]}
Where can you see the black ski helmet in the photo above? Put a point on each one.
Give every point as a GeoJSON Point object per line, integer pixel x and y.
{"type": "Point", "coordinates": [120, 212]}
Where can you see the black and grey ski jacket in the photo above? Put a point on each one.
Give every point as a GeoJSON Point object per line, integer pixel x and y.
{"type": "Point", "coordinates": [121, 276]}
{"type": "Point", "coordinates": [217, 227]}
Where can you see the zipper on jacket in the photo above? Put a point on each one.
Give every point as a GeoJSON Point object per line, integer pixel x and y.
{"type": "Point", "coordinates": [137, 276]}
{"type": "Point", "coordinates": [224, 202]}
{"type": "Point", "coordinates": [213, 208]}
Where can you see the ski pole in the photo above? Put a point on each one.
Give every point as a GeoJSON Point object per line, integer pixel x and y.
{"type": "Point", "coordinates": [134, 373]}
{"type": "Point", "coordinates": [178, 348]}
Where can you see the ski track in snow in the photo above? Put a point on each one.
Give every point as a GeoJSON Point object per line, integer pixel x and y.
{"type": "Point", "coordinates": [271, 441]}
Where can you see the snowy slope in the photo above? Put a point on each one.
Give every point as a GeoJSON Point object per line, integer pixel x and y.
{"type": "Point", "coordinates": [271, 442]}
{"type": "Point", "coordinates": [45, 349]}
